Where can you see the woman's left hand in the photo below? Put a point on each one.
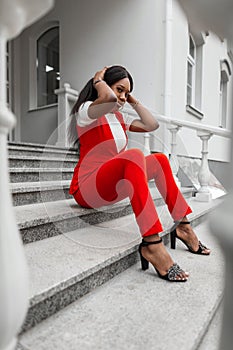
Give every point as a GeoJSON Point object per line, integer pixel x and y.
{"type": "Point", "coordinates": [131, 100]}
{"type": "Point", "coordinates": [147, 121]}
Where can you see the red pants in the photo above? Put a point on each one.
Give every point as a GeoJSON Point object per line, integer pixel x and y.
{"type": "Point", "coordinates": [127, 175]}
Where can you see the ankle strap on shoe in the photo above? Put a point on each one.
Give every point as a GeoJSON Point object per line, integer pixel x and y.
{"type": "Point", "coordinates": [182, 222]}
{"type": "Point", "coordinates": [145, 243]}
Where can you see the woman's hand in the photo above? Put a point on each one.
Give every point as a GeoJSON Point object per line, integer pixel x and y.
{"type": "Point", "coordinates": [132, 100]}
{"type": "Point", "coordinates": [99, 75]}
{"type": "Point", "coordinates": [106, 100]}
{"type": "Point", "coordinates": [147, 121]}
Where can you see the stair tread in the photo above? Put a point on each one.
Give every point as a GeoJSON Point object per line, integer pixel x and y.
{"type": "Point", "coordinates": [57, 261]}
{"type": "Point", "coordinates": [120, 313]}
{"type": "Point", "coordinates": [33, 170]}
{"type": "Point", "coordinates": [37, 213]}
{"type": "Point", "coordinates": [26, 145]}
{"type": "Point", "coordinates": [38, 185]}
{"type": "Point", "coordinates": [41, 158]}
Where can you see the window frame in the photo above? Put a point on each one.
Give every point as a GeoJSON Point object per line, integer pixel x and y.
{"type": "Point", "coordinates": [225, 72]}
{"type": "Point", "coordinates": [191, 60]}
{"type": "Point", "coordinates": [33, 103]}
{"type": "Point", "coordinates": [194, 105]}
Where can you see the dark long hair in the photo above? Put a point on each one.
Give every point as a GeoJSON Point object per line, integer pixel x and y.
{"type": "Point", "coordinates": [89, 93]}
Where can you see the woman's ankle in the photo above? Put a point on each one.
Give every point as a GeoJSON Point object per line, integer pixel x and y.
{"type": "Point", "coordinates": [152, 238]}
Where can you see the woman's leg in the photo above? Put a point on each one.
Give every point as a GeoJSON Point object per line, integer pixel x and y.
{"type": "Point", "coordinates": [125, 176]}
{"type": "Point", "coordinates": [121, 177]}
{"type": "Point", "coordinates": [159, 169]}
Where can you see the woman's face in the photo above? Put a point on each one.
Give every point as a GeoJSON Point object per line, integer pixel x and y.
{"type": "Point", "coordinates": [121, 89]}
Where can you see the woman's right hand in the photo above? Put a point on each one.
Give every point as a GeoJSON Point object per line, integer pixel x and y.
{"type": "Point", "coordinates": [106, 100]}
{"type": "Point", "coordinates": [100, 74]}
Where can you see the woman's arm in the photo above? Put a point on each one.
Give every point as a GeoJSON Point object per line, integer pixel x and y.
{"type": "Point", "coordinates": [106, 100]}
{"type": "Point", "coordinates": [147, 121]}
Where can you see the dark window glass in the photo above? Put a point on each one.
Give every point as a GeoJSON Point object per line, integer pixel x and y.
{"type": "Point", "coordinates": [48, 71]}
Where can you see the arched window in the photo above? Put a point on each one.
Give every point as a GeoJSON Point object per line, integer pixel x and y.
{"type": "Point", "coordinates": [191, 71]}
{"type": "Point", "coordinates": [48, 70]}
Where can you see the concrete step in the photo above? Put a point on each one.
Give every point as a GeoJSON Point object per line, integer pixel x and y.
{"type": "Point", "coordinates": [42, 220]}
{"type": "Point", "coordinates": [66, 267]}
{"type": "Point", "coordinates": [133, 311]}
{"type": "Point", "coordinates": [24, 161]}
{"type": "Point", "coordinates": [31, 149]}
{"type": "Point", "coordinates": [39, 174]}
{"type": "Point", "coordinates": [38, 192]}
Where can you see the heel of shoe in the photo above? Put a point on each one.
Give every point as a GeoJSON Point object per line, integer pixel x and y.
{"type": "Point", "coordinates": [144, 263]}
{"type": "Point", "coordinates": [173, 239]}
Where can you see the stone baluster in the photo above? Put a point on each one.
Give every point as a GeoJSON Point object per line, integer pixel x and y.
{"type": "Point", "coordinates": [14, 295]}
{"type": "Point", "coordinates": [146, 144]}
{"type": "Point", "coordinates": [66, 99]}
{"type": "Point", "coordinates": [204, 194]}
{"type": "Point", "coordinates": [174, 159]}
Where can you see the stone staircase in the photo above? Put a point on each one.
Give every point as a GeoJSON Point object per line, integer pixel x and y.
{"type": "Point", "coordinates": [71, 251]}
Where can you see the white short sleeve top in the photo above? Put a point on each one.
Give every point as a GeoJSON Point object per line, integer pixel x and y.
{"type": "Point", "coordinates": [114, 124]}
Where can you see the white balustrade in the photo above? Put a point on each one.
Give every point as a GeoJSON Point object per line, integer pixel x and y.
{"type": "Point", "coordinates": [204, 132]}
{"type": "Point", "coordinates": [14, 290]}
{"type": "Point", "coordinates": [66, 99]}
{"type": "Point", "coordinates": [204, 194]}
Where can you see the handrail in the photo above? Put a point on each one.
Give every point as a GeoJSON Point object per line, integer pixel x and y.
{"type": "Point", "coordinates": [182, 123]}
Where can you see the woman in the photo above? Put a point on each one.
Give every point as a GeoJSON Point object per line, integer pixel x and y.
{"type": "Point", "coordinates": [107, 173]}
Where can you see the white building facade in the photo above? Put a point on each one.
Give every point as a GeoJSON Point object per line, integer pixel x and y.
{"type": "Point", "coordinates": [180, 72]}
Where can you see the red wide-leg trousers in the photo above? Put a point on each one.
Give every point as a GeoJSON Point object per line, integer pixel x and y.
{"type": "Point", "coordinates": [127, 175]}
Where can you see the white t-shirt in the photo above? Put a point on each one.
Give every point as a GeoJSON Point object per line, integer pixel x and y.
{"type": "Point", "coordinates": [114, 124]}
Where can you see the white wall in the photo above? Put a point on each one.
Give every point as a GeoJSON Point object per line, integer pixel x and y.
{"type": "Point", "coordinates": [100, 33]}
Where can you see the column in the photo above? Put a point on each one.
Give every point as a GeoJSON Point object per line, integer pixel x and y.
{"type": "Point", "coordinates": [14, 286]}
{"type": "Point", "coordinates": [174, 159]}
{"type": "Point", "coordinates": [66, 98]}
{"type": "Point", "coordinates": [204, 194]}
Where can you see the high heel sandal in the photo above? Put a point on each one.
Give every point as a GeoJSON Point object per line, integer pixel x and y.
{"type": "Point", "coordinates": [173, 236]}
{"type": "Point", "coordinates": [173, 271]}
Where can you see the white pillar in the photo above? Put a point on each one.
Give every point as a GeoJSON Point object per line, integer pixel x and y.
{"type": "Point", "coordinates": [14, 295]}
{"type": "Point", "coordinates": [66, 98]}
{"type": "Point", "coordinates": [204, 194]}
{"type": "Point", "coordinates": [174, 159]}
